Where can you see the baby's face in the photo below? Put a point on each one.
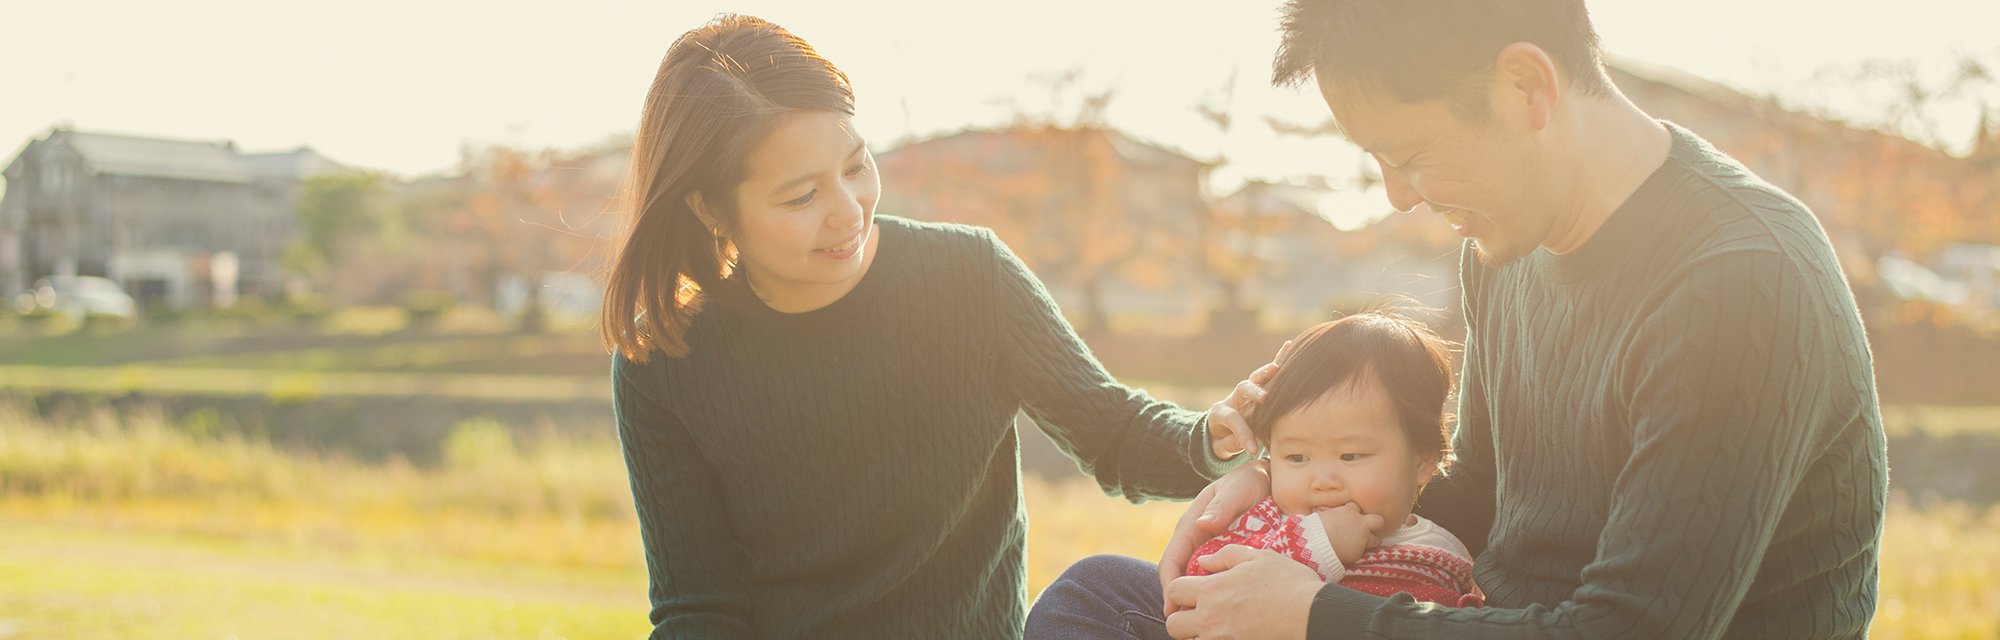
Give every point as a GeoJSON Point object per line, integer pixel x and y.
{"type": "Point", "coordinates": [1347, 447]}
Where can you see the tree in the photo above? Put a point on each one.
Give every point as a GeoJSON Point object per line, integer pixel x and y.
{"type": "Point", "coordinates": [342, 218]}
{"type": "Point", "coordinates": [1079, 202]}
{"type": "Point", "coordinates": [525, 213]}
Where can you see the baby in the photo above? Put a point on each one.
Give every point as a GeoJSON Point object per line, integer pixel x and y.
{"type": "Point", "coordinates": [1354, 425]}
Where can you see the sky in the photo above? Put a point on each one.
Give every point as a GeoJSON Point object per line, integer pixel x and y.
{"type": "Point", "coordinates": [403, 85]}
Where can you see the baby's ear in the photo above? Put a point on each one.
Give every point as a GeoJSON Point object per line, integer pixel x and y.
{"type": "Point", "coordinates": [1426, 470]}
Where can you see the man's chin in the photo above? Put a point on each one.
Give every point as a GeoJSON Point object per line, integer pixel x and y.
{"type": "Point", "coordinates": [1496, 257]}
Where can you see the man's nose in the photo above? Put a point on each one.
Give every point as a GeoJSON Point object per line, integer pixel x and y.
{"type": "Point", "coordinates": [1402, 195]}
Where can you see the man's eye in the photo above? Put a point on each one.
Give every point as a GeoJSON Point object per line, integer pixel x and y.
{"type": "Point", "coordinates": [802, 200]}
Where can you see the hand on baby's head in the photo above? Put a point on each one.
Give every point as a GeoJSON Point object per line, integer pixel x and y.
{"type": "Point", "coordinates": [1350, 532]}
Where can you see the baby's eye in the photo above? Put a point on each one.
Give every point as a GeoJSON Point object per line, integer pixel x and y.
{"type": "Point", "coordinates": [1350, 457]}
{"type": "Point", "coordinates": [1295, 458]}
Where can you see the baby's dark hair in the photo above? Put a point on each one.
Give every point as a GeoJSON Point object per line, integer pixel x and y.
{"type": "Point", "coordinates": [1412, 363]}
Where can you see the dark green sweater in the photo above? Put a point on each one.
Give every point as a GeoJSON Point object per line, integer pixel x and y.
{"type": "Point", "coordinates": [1671, 432]}
{"type": "Point", "coordinates": [853, 471]}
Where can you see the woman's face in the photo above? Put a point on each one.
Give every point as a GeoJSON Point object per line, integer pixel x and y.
{"type": "Point", "coordinates": [806, 212]}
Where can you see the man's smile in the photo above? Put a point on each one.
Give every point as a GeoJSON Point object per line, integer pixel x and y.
{"type": "Point", "coordinates": [1454, 217]}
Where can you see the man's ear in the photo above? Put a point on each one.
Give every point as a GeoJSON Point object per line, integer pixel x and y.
{"type": "Point", "coordinates": [1525, 85]}
{"type": "Point", "coordinates": [701, 212]}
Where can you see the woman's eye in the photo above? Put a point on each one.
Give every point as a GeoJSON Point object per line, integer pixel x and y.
{"type": "Point", "coordinates": [857, 169]}
{"type": "Point", "coordinates": [802, 200]}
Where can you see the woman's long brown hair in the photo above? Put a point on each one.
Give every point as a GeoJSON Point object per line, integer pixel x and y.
{"type": "Point", "coordinates": [718, 93]}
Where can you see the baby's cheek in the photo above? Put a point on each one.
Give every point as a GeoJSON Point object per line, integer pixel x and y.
{"type": "Point", "coordinates": [1292, 496]}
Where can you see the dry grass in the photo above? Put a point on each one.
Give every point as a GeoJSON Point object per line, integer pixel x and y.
{"type": "Point", "coordinates": [562, 503]}
{"type": "Point", "coordinates": [107, 521]}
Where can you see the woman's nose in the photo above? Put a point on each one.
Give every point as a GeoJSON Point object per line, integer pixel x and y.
{"type": "Point", "coordinates": [847, 212]}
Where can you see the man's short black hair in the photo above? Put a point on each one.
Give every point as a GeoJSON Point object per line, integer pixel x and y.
{"type": "Point", "coordinates": [1423, 50]}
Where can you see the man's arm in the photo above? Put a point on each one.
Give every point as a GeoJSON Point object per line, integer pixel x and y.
{"type": "Point", "coordinates": [692, 560]}
{"type": "Point", "coordinates": [1734, 383]}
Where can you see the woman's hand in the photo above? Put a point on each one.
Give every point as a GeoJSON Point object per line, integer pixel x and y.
{"type": "Point", "coordinates": [1228, 426]}
{"type": "Point", "coordinates": [1211, 512]}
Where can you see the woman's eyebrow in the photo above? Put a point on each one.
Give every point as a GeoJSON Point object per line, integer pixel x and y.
{"type": "Point", "coordinates": [808, 177]}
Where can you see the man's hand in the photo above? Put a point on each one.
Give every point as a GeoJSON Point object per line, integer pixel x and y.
{"type": "Point", "coordinates": [1228, 427]}
{"type": "Point", "coordinates": [1252, 594]}
{"type": "Point", "coordinates": [1211, 512]}
{"type": "Point", "coordinates": [1351, 532]}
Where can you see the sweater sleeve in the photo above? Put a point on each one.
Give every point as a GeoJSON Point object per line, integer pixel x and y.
{"type": "Point", "coordinates": [693, 563]}
{"type": "Point", "coordinates": [1462, 500]}
{"type": "Point", "coordinates": [1732, 384]}
{"type": "Point", "coordinates": [1136, 446]}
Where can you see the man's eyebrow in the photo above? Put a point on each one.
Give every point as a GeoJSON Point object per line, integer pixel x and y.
{"type": "Point", "coordinates": [808, 177]}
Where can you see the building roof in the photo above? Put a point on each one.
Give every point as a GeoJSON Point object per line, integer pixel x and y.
{"type": "Point", "coordinates": [1274, 199]}
{"type": "Point", "coordinates": [1694, 85]}
{"type": "Point", "coordinates": [298, 164]}
{"type": "Point", "coordinates": [1007, 145]}
{"type": "Point", "coordinates": [157, 158]}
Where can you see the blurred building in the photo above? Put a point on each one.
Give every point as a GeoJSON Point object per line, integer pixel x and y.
{"type": "Point", "coordinates": [177, 223]}
{"type": "Point", "coordinates": [1110, 224]}
{"type": "Point", "coordinates": [1876, 194]}
{"type": "Point", "coordinates": [1122, 229]}
{"type": "Point", "coordinates": [1272, 249]}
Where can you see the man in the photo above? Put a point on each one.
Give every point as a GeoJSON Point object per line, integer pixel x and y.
{"type": "Point", "coordinates": [1667, 418]}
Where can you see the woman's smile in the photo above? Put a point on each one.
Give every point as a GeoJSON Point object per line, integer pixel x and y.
{"type": "Point", "coordinates": [846, 248]}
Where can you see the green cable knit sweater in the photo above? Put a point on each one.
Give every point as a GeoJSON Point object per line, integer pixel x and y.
{"type": "Point", "coordinates": [853, 471]}
{"type": "Point", "coordinates": [1670, 432]}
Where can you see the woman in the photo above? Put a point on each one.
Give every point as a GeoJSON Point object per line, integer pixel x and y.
{"type": "Point", "coordinates": [817, 403]}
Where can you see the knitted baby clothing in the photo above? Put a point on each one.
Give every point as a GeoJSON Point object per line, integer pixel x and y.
{"type": "Point", "coordinates": [1420, 558]}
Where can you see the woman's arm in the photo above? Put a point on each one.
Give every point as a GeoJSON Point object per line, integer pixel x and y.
{"type": "Point", "coordinates": [1135, 445]}
{"type": "Point", "coordinates": [692, 561]}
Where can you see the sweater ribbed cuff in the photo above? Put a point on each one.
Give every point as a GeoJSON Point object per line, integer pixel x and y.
{"type": "Point", "coordinates": [1321, 547]}
{"type": "Point", "coordinates": [1205, 461]}
{"type": "Point", "coordinates": [1340, 612]}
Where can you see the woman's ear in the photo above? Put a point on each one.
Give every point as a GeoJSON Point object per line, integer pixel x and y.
{"type": "Point", "coordinates": [701, 212]}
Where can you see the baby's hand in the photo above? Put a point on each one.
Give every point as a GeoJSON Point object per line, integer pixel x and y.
{"type": "Point", "coordinates": [1351, 532]}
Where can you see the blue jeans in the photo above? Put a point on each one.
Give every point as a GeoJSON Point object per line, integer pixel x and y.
{"type": "Point", "coordinates": [1099, 597]}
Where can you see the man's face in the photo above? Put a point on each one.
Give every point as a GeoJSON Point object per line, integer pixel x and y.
{"type": "Point", "coordinates": [1479, 176]}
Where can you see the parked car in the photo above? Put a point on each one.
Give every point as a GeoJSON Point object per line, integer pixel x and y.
{"type": "Point", "coordinates": [78, 296]}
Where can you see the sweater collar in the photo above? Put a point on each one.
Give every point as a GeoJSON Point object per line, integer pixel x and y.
{"type": "Point", "coordinates": [1628, 225]}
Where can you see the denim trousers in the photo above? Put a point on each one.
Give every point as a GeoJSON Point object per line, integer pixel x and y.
{"type": "Point", "coordinates": [1101, 597]}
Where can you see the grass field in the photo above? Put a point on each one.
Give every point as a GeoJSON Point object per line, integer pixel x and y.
{"type": "Point", "coordinates": [120, 528]}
